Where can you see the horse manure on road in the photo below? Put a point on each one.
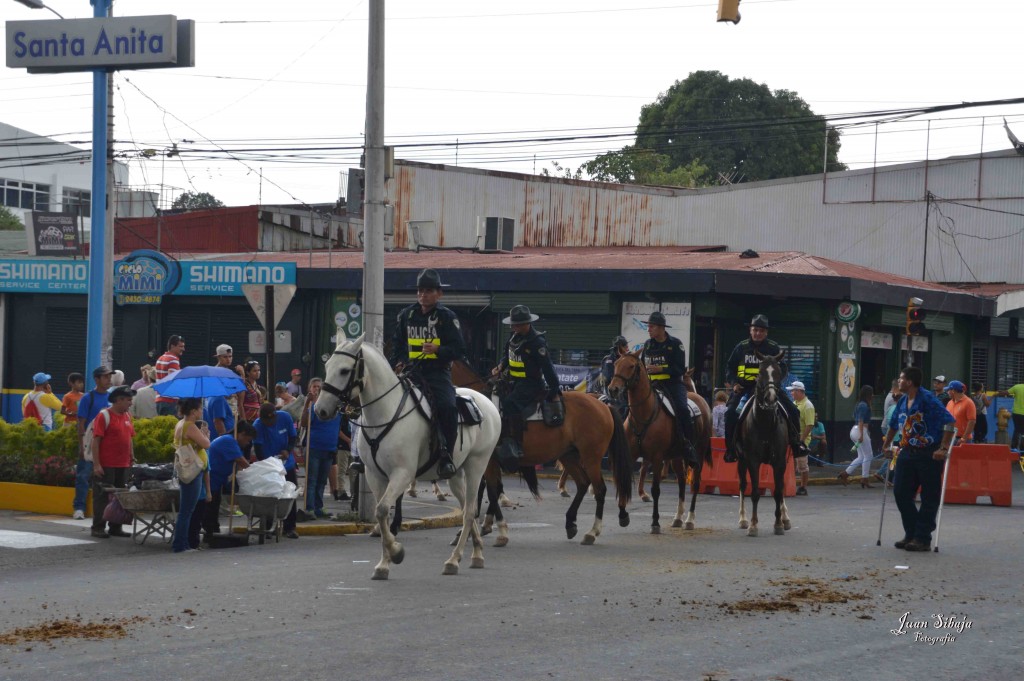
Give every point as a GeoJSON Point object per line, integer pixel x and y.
{"type": "Point", "coordinates": [46, 632]}
{"type": "Point", "coordinates": [801, 591]}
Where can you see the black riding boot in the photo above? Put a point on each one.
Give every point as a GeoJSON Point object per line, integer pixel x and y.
{"type": "Point", "coordinates": [795, 443]}
{"type": "Point", "coordinates": [356, 465]}
{"type": "Point", "coordinates": [686, 423]}
{"type": "Point", "coordinates": [446, 465]}
{"type": "Point", "coordinates": [510, 451]}
{"type": "Point", "coordinates": [731, 420]}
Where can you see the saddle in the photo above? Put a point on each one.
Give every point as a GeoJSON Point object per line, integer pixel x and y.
{"type": "Point", "coordinates": [666, 403]}
{"type": "Point", "coordinates": [745, 406]}
{"type": "Point", "coordinates": [468, 414]}
{"type": "Point", "coordinates": [551, 413]}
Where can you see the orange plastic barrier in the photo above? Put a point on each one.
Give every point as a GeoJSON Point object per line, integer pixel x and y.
{"type": "Point", "coordinates": [723, 478]}
{"type": "Point", "coordinates": [980, 471]}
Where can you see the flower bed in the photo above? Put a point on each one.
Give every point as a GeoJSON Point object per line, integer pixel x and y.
{"type": "Point", "coordinates": [32, 456]}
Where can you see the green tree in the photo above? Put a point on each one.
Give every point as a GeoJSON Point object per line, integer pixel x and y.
{"type": "Point", "coordinates": [9, 221]}
{"type": "Point", "coordinates": [736, 129]}
{"type": "Point", "coordinates": [196, 201]}
{"type": "Point", "coordinates": [632, 165]}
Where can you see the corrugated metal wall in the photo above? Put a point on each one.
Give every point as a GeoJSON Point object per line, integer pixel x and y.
{"type": "Point", "coordinates": [870, 218]}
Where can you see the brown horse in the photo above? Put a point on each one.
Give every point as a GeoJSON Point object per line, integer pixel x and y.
{"type": "Point", "coordinates": [591, 430]}
{"type": "Point", "coordinates": [653, 434]}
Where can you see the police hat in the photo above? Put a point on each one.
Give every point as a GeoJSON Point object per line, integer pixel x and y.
{"type": "Point", "coordinates": [620, 341]}
{"type": "Point", "coordinates": [429, 278]}
{"type": "Point", "coordinates": [658, 319]}
{"type": "Point", "coordinates": [520, 314]}
{"type": "Point", "coordinates": [760, 321]}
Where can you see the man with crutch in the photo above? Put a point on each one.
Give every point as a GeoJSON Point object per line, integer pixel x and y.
{"type": "Point", "coordinates": [925, 431]}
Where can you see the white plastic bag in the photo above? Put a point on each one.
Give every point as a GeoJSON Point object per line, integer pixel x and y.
{"type": "Point", "coordinates": [263, 479]}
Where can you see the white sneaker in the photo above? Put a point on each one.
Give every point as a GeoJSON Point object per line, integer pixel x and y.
{"type": "Point", "coordinates": [78, 515]}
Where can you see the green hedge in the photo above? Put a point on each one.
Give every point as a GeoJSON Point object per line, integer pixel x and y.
{"type": "Point", "coordinates": [30, 455]}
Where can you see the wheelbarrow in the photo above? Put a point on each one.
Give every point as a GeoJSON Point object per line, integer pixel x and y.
{"type": "Point", "coordinates": [154, 512]}
{"type": "Point", "coordinates": [266, 514]}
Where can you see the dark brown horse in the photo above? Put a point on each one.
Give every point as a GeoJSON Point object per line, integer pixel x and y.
{"type": "Point", "coordinates": [591, 430]}
{"type": "Point", "coordinates": [653, 435]}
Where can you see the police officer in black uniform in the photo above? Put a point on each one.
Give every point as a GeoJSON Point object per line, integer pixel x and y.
{"type": "Point", "coordinates": [426, 341]}
{"type": "Point", "coordinates": [530, 371]}
{"type": "Point", "coordinates": [619, 348]}
{"type": "Point", "coordinates": [665, 360]}
{"type": "Point", "coordinates": [744, 366]}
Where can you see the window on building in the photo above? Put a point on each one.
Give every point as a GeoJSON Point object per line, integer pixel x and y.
{"type": "Point", "coordinates": [28, 195]}
{"type": "Point", "coordinates": [77, 202]}
{"type": "Point", "coordinates": [1009, 368]}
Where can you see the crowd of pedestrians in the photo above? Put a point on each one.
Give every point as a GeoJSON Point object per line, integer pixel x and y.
{"type": "Point", "coordinates": [228, 433]}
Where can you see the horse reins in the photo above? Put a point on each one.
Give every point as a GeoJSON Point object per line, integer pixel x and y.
{"type": "Point", "coordinates": [630, 383]}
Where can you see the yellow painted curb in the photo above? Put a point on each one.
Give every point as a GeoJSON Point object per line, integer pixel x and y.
{"type": "Point", "coordinates": [44, 499]}
{"type": "Point", "coordinates": [453, 519]}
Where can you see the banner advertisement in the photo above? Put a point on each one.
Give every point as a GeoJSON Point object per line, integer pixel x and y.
{"type": "Point", "coordinates": [52, 234]}
{"type": "Point", "coordinates": [677, 316]}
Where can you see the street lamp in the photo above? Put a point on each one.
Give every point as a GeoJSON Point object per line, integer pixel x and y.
{"type": "Point", "coordinates": [38, 4]}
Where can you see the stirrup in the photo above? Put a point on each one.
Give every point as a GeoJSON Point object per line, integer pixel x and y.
{"type": "Point", "coordinates": [357, 466]}
{"type": "Point", "coordinates": [446, 467]}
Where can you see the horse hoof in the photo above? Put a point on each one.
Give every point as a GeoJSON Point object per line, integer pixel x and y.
{"type": "Point", "coordinates": [787, 525]}
{"type": "Point", "coordinates": [571, 531]}
{"type": "Point", "coordinates": [380, 574]}
{"type": "Point", "coordinates": [689, 526]}
{"type": "Point", "coordinates": [752, 532]}
{"type": "Point", "coordinates": [645, 497]}
{"type": "Point", "coordinates": [779, 531]}
{"type": "Point", "coordinates": [484, 531]}
{"type": "Point", "coordinates": [476, 563]}
{"type": "Point", "coordinates": [442, 497]}
{"type": "Point", "coordinates": [501, 541]}
{"type": "Point", "coordinates": [375, 532]}
{"type": "Point", "coordinates": [450, 569]}
{"type": "Point", "coordinates": [454, 541]}
{"type": "Point", "coordinates": [412, 494]}
{"type": "Point", "coordinates": [624, 521]}
{"type": "Point", "coordinates": [744, 524]}
{"type": "Point", "coordinates": [655, 529]}
{"type": "Point", "coordinates": [588, 540]}
{"type": "Point", "coordinates": [677, 523]}
{"type": "Point", "coordinates": [504, 501]}
{"type": "Point", "coordinates": [399, 555]}
{"type": "Point", "coordinates": [565, 494]}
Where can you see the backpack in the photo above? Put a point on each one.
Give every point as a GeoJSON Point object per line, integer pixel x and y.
{"type": "Point", "coordinates": [31, 411]}
{"type": "Point", "coordinates": [89, 437]}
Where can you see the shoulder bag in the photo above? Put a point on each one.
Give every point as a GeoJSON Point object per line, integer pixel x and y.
{"type": "Point", "coordinates": [187, 465]}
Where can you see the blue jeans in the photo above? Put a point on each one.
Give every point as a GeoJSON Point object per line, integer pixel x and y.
{"type": "Point", "coordinates": [83, 481]}
{"type": "Point", "coordinates": [319, 467]}
{"type": "Point", "coordinates": [186, 507]}
{"type": "Point", "coordinates": [913, 468]}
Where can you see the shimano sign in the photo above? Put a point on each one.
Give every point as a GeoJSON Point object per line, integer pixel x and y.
{"type": "Point", "coordinates": [157, 41]}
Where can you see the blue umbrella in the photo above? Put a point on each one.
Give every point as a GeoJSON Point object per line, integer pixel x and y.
{"type": "Point", "coordinates": [200, 381]}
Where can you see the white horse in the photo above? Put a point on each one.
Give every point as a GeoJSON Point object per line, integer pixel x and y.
{"type": "Point", "coordinates": [393, 442]}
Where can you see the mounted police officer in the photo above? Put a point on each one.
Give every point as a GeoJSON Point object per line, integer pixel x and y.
{"type": "Point", "coordinates": [620, 346]}
{"type": "Point", "coordinates": [530, 372]}
{"type": "Point", "coordinates": [426, 341]}
{"type": "Point", "coordinates": [665, 360]}
{"type": "Point", "coordinates": [744, 366]}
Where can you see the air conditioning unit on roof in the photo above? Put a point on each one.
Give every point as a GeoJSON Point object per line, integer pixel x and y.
{"type": "Point", "coordinates": [498, 235]}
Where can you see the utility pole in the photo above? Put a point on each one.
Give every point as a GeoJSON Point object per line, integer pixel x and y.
{"type": "Point", "coordinates": [373, 207]}
{"type": "Point", "coordinates": [107, 334]}
{"type": "Point", "coordinates": [373, 202]}
{"type": "Point", "coordinates": [99, 295]}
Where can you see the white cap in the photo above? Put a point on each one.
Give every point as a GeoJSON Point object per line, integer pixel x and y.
{"type": "Point", "coordinates": [117, 378]}
{"type": "Point", "coordinates": [797, 385]}
{"type": "Point", "coordinates": [223, 349]}
{"type": "Point", "coordinates": [941, 379]}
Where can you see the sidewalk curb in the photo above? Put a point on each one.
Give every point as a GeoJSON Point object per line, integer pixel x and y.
{"type": "Point", "coordinates": [333, 529]}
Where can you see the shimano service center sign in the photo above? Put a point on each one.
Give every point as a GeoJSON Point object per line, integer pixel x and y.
{"type": "Point", "coordinates": [84, 44]}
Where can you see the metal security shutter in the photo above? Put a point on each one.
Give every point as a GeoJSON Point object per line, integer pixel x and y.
{"type": "Point", "coordinates": [554, 303]}
{"type": "Point", "coordinates": [979, 362]}
{"type": "Point", "coordinates": [232, 325]}
{"type": "Point", "coordinates": [1009, 367]}
{"type": "Point", "coordinates": [576, 339]}
{"type": "Point", "coordinates": [64, 345]}
{"type": "Point", "coordinates": [193, 324]}
{"type": "Point", "coordinates": [802, 344]}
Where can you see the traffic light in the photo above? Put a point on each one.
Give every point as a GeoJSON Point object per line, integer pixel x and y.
{"type": "Point", "coordinates": [915, 317]}
{"type": "Point", "coordinates": [729, 10]}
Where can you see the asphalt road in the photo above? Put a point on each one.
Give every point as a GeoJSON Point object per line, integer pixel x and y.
{"type": "Point", "coordinates": [818, 603]}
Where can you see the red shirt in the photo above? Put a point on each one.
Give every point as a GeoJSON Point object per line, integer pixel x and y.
{"type": "Point", "coordinates": [116, 446]}
{"type": "Point", "coordinates": [165, 366]}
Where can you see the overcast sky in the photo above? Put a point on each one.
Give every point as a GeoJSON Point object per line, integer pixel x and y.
{"type": "Point", "coordinates": [288, 72]}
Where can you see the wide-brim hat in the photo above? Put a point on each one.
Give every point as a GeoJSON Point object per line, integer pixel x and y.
{"type": "Point", "coordinates": [760, 321]}
{"type": "Point", "coordinates": [429, 278]}
{"type": "Point", "coordinates": [520, 314]}
{"type": "Point", "coordinates": [658, 319]}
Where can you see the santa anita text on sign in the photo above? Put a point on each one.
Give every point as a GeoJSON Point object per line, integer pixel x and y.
{"type": "Point", "coordinates": [82, 44]}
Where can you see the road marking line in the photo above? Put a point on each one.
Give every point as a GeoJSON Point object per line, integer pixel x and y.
{"type": "Point", "coordinates": [33, 540]}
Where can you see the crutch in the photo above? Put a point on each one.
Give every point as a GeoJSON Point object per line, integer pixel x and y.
{"type": "Point", "coordinates": [309, 436]}
{"type": "Point", "coordinates": [942, 496]}
{"type": "Point", "coordinates": [885, 493]}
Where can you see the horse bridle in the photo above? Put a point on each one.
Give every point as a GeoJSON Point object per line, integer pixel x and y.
{"type": "Point", "coordinates": [345, 396]}
{"type": "Point", "coordinates": [631, 380]}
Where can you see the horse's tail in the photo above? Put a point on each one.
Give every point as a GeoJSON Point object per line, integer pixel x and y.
{"type": "Point", "coordinates": [618, 455]}
{"type": "Point", "coordinates": [529, 474]}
